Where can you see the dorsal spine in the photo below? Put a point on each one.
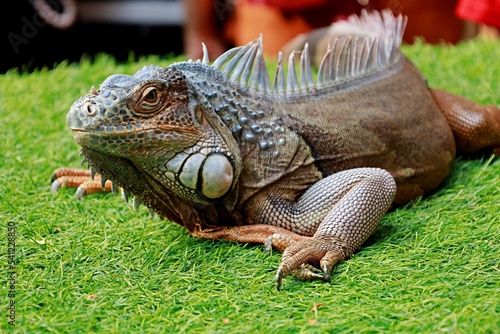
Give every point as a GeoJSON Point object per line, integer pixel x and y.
{"type": "Point", "coordinates": [347, 58]}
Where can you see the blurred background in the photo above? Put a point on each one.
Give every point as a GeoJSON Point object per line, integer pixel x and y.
{"type": "Point", "coordinates": [43, 33]}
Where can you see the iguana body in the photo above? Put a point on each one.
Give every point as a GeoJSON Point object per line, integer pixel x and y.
{"type": "Point", "coordinates": [309, 167]}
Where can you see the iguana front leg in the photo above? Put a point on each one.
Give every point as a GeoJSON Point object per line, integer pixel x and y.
{"type": "Point", "coordinates": [347, 207]}
{"type": "Point", "coordinates": [326, 225]}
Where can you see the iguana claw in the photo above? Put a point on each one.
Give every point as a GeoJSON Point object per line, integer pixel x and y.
{"type": "Point", "coordinates": [328, 273]}
{"type": "Point", "coordinates": [304, 273]}
{"type": "Point", "coordinates": [279, 278]}
{"type": "Point", "coordinates": [314, 250]}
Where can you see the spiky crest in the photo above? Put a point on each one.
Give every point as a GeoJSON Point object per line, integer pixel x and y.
{"type": "Point", "coordinates": [347, 57]}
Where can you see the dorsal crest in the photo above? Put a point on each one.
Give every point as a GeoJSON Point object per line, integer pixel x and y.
{"type": "Point", "coordinates": [371, 45]}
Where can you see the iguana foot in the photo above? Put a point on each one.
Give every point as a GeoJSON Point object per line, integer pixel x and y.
{"type": "Point", "coordinates": [315, 252]}
{"type": "Point", "coordinates": [81, 179]}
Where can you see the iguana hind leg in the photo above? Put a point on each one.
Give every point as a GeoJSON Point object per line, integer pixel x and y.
{"type": "Point", "coordinates": [475, 126]}
{"type": "Point", "coordinates": [259, 233]}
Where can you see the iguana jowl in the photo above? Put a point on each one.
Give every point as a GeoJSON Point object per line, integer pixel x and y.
{"type": "Point", "coordinates": [306, 165]}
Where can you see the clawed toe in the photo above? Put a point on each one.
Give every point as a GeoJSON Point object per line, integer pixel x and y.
{"type": "Point", "coordinates": [85, 181]}
{"type": "Point", "coordinates": [304, 273]}
{"type": "Point", "coordinates": [296, 258]}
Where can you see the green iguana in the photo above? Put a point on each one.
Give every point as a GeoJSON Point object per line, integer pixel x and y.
{"type": "Point", "coordinates": [308, 166]}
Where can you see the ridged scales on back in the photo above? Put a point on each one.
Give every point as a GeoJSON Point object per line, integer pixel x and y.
{"type": "Point", "coordinates": [306, 164]}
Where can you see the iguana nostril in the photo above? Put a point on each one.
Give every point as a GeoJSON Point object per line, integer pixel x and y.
{"type": "Point", "coordinates": [90, 111]}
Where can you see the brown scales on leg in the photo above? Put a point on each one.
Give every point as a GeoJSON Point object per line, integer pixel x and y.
{"type": "Point", "coordinates": [475, 126]}
{"type": "Point", "coordinates": [258, 233]}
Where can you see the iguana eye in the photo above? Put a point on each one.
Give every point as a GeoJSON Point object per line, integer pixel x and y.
{"type": "Point", "coordinates": [150, 95]}
{"type": "Point", "coordinates": [148, 100]}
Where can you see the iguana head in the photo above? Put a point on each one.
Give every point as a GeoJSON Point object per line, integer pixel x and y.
{"type": "Point", "coordinates": [149, 134]}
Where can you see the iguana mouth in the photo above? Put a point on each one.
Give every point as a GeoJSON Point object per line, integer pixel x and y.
{"type": "Point", "coordinates": [127, 136]}
{"type": "Point", "coordinates": [80, 136]}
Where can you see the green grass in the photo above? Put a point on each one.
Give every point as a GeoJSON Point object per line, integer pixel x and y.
{"type": "Point", "coordinates": [98, 266]}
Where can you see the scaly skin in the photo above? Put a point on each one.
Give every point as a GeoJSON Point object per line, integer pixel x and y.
{"type": "Point", "coordinates": [310, 173]}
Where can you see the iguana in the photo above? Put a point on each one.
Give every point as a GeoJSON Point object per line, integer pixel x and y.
{"type": "Point", "coordinates": [306, 165]}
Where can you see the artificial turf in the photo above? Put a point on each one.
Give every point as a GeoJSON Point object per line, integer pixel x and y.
{"type": "Point", "coordinates": [99, 266]}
